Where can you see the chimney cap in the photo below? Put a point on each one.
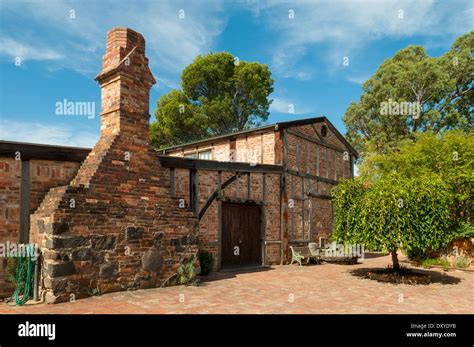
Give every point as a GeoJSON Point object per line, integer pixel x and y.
{"type": "Point", "coordinates": [124, 37]}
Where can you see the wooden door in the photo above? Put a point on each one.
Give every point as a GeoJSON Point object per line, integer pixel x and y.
{"type": "Point", "coordinates": [241, 235]}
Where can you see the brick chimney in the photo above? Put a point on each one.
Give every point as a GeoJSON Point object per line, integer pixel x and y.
{"type": "Point", "coordinates": [115, 226]}
{"type": "Point", "coordinates": [125, 81]}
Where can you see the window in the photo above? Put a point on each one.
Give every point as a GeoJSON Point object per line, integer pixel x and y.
{"type": "Point", "coordinates": [324, 131]}
{"type": "Point", "coordinates": [205, 155]}
{"type": "Point", "coordinates": [191, 155]}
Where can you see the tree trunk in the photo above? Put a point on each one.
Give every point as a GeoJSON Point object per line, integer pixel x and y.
{"type": "Point", "coordinates": [396, 265]}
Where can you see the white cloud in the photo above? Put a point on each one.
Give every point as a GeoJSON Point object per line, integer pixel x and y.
{"type": "Point", "coordinates": [14, 49]}
{"type": "Point", "coordinates": [358, 79]}
{"type": "Point", "coordinates": [42, 133]}
{"type": "Point", "coordinates": [171, 42]}
{"type": "Point", "coordinates": [280, 105]}
{"type": "Point", "coordinates": [345, 28]}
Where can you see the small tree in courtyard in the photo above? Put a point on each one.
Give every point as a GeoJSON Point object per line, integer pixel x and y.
{"type": "Point", "coordinates": [393, 213]}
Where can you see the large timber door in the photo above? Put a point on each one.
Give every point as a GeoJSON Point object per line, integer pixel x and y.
{"type": "Point", "coordinates": [241, 235]}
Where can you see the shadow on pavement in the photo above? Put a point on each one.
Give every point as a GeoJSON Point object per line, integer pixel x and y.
{"type": "Point", "coordinates": [231, 273]}
{"type": "Point", "coordinates": [435, 276]}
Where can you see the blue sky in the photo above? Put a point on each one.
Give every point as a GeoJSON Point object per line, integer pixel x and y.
{"type": "Point", "coordinates": [60, 55]}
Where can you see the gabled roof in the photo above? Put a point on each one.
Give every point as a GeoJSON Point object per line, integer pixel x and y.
{"type": "Point", "coordinates": [274, 127]}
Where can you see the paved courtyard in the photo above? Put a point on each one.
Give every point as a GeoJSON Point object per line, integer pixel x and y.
{"type": "Point", "coordinates": [327, 288]}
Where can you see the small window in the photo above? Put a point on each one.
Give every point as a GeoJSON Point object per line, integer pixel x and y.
{"type": "Point", "coordinates": [191, 155]}
{"type": "Point", "coordinates": [205, 155]}
{"type": "Point", "coordinates": [324, 131]}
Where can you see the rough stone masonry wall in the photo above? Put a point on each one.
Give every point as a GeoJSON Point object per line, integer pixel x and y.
{"type": "Point", "coordinates": [311, 217]}
{"type": "Point", "coordinates": [209, 224]}
{"type": "Point", "coordinates": [115, 226]}
{"type": "Point", "coordinates": [44, 175]}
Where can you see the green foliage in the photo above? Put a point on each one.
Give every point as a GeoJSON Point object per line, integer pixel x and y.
{"type": "Point", "coordinates": [462, 262]}
{"type": "Point", "coordinates": [218, 96]}
{"type": "Point", "coordinates": [393, 213]}
{"type": "Point", "coordinates": [450, 156]}
{"type": "Point", "coordinates": [206, 261]}
{"type": "Point", "coordinates": [429, 262]}
{"type": "Point", "coordinates": [178, 120]}
{"type": "Point", "coordinates": [442, 86]}
{"type": "Point", "coordinates": [187, 274]}
{"type": "Point", "coordinates": [465, 230]}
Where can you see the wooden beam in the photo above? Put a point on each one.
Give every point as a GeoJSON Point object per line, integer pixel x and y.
{"type": "Point", "coordinates": [308, 138]}
{"type": "Point", "coordinates": [237, 186]}
{"type": "Point", "coordinates": [278, 147]}
{"type": "Point", "coordinates": [317, 160]}
{"type": "Point", "coordinates": [284, 231]}
{"type": "Point", "coordinates": [317, 178]}
{"type": "Point", "coordinates": [297, 154]}
{"type": "Point", "coordinates": [264, 187]}
{"type": "Point", "coordinates": [292, 194]}
{"type": "Point", "coordinates": [212, 165]}
{"type": "Point", "coordinates": [172, 187]}
{"type": "Point", "coordinates": [310, 216]}
{"type": "Point", "coordinates": [194, 191]}
{"type": "Point", "coordinates": [321, 196]}
{"type": "Point", "coordinates": [248, 185]}
{"type": "Point", "coordinates": [302, 205]}
{"type": "Point", "coordinates": [216, 194]}
{"type": "Point", "coordinates": [307, 157]}
{"type": "Point", "coordinates": [320, 138]}
{"type": "Point", "coordinates": [24, 234]}
{"type": "Point", "coordinates": [219, 235]}
{"type": "Point", "coordinates": [327, 162]}
{"type": "Point", "coordinates": [30, 151]}
{"type": "Point", "coordinates": [241, 201]}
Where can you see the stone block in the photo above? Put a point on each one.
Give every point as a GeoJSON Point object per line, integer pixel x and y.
{"type": "Point", "coordinates": [152, 261]}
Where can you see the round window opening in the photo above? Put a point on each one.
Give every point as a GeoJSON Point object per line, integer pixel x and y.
{"type": "Point", "coordinates": [324, 131]}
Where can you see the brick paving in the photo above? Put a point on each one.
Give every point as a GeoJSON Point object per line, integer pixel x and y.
{"type": "Point", "coordinates": [327, 288]}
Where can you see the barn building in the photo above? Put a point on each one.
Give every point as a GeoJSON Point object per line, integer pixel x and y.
{"type": "Point", "coordinates": [122, 216]}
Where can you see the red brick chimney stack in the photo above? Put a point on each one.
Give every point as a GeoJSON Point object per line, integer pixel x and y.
{"type": "Point", "coordinates": [125, 81]}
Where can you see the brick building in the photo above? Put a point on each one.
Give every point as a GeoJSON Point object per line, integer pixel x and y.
{"type": "Point", "coordinates": [122, 216]}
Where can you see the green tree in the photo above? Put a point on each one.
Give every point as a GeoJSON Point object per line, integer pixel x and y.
{"type": "Point", "coordinates": [442, 87]}
{"type": "Point", "coordinates": [219, 95]}
{"type": "Point", "coordinates": [449, 155]}
{"type": "Point", "coordinates": [393, 213]}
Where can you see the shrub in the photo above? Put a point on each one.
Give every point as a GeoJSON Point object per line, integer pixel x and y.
{"type": "Point", "coordinates": [206, 261]}
{"type": "Point", "coordinates": [462, 262]}
{"type": "Point", "coordinates": [187, 274]}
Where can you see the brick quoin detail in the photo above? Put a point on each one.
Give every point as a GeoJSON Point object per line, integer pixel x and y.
{"type": "Point", "coordinates": [115, 226]}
